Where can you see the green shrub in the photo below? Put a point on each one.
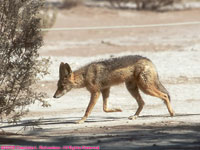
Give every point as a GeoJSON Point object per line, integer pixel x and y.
{"type": "Point", "coordinates": [67, 4]}
{"type": "Point", "coordinates": [143, 4]}
{"type": "Point", "coordinates": [20, 66]}
{"type": "Point", "coordinates": [48, 15]}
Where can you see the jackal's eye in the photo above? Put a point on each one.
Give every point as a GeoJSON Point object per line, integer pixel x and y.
{"type": "Point", "coordinates": [63, 85]}
{"type": "Point", "coordinates": [60, 85]}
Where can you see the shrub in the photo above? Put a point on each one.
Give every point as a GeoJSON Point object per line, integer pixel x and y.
{"type": "Point", "coordinates": [67, 4]}
{"type": "Point", "coordinates": [20, 66]}
{"type": "Point", "coordinates": [143, 4]}
{"type": "Point", "coordinates": [48, 16]}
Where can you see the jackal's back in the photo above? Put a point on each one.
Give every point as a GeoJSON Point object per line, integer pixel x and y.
{"type": "Point", "coordinates": [114, 71]}
{"type": "Point", "coordinates": [122, 62]}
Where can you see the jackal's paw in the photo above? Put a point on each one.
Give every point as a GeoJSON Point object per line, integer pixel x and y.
{"type": "Point", "coordinates": [172, 114]}
{"type": "Point", "coordinates": [133, 117]}
{"type": "Point", "coordinates": [80, 121]}
{"type": "Point", "coordinates": [118, 110]}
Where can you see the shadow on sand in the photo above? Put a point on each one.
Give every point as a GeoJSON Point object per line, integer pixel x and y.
{"type": "Point", "coordinates": [145, 137]}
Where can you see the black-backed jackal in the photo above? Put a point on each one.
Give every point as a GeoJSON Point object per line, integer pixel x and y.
{"type": "Point", "coordinates": [136, 71]}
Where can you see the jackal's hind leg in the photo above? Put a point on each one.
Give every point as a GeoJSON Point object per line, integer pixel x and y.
{"type": "Point", "coordinates": [150, 88]}
{"type": "Point", "coordinates": [155, 92]}
{"type": "Point", "coordinates": [105, 94]}
{"type": "Point", "coordinates": [93, 101]}
{"type": "Point", "coordinates": [134, 91]}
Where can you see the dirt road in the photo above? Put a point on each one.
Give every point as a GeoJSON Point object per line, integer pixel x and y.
{"type": "Point", "coordinates": [174, 50]}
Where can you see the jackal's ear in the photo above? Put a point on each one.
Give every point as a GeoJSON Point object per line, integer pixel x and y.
{"type": "Point", "coordinates": [65, 70]}
{"type": "Point", "coordinates": [68, 69]}
{"type": "Point", "coordinates": [61, 70]}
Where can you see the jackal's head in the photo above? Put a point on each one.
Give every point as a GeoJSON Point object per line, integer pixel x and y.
{"type": "Point", "coordinates": [65, 82]}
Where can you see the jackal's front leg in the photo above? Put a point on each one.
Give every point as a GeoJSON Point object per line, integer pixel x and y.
{"type": "Point", "coordinates": [93, 101]}
{"type": "Point", "coordinates": [105, 94]}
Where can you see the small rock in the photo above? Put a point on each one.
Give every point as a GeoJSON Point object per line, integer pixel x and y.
{"type": "Point", "coordinates": [154, 144]}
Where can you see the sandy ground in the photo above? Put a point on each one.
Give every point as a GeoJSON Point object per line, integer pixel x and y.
{"type": "Point", "coordinates": [174, 50]}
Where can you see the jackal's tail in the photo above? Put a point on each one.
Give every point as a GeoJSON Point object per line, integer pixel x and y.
{"type": "Point", "coordinates": [162, 88]}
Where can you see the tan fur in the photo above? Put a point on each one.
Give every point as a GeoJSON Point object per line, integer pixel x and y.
{"type": "Point", "coordinates": [136, 71]}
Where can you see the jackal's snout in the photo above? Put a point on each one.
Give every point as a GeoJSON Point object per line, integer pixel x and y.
{"type": "Point", "coordinates": [56, 95]}
{"type": "Point", "coordinates": [59, 93]}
